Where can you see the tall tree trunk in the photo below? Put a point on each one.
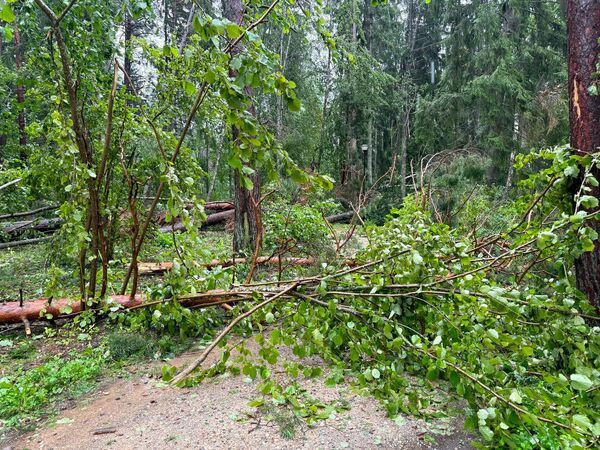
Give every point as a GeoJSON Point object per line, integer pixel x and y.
{"type": "Point", "coordinates": [127, 61]}
{"type": "Point", "coordinates": [324, 111]}
{"type": "Point", "coordinates": [20, 92]}
{"type": "Point", "coordinates": [2, 135]}
{"type": "Point", "coordinates": [583, 25]}
{"type": "Point", "coordinates": [247, 208]}
{"type": "Point", "coordinates": [404, 151]}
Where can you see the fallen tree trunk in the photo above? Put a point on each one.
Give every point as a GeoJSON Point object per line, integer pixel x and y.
{"type": "Point", "coordinates": [162, 267]}
{"type": "Point", "coordinates": [43, 225]}
{"type": "Point", "coordinates": [4, 245]}
{"type": "Point", "coordinates": [211, 220]}
{"type": "Point", "coordinates": [345, 217]}
{"type": "Point", "coordinates": [209, 206]}
{"type": "Point", "coordinates": [32, 212]}
{"type": "Point", "coordinates": [15, 312]}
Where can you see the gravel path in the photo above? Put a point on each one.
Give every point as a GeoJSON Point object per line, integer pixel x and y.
{"type": "Point", "coordinates": [142, 413]}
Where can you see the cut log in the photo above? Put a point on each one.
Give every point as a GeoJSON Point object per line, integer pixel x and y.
{"type": "Point", "coordinates": [150, 268]}
{"type": "Point", "coordinates": [345, 217]}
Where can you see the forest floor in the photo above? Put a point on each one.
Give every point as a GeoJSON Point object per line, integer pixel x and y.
{"type": "Point", "coordinates": [139, 411]}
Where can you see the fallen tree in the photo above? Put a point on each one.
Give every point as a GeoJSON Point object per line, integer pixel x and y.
{"type": "Point", "coordinates": [212, 219]}
{"type": "Point", "coordinates": [152, 268]}
{"type": "Point", "coordinates": [219, 206]}
{"type": "Point", "coordinates": [32, 212]}
{"type": "Point", "coordinates": [23, 242]}
{"type": "Point", "coordinates": [49, 309]}
{"type": "Point", "coordinates": [40, 225]}
{"type": "Point", "coordinates": [344, 217]}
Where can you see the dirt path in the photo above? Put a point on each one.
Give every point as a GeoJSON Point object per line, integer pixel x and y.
{"type": "Point", "coordinates": [143, 413]}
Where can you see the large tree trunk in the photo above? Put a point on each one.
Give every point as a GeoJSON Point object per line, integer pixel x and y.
{"type": "Point", "coordinates": [583, 24]}
{"type": "Point", "coordinates": [247, 208]}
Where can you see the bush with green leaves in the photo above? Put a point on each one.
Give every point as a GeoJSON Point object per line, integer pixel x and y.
{"type": "Point", "coordinates": [296, 229]}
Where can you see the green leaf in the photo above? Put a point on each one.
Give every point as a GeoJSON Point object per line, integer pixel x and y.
{"type": "Point", "coordinates": [515, 397]}
{"type": "Point", "coordinates": [588, 201]}
{"type": "Point", "coordinates": [233, 31]}
{"type": "Point", "coordinates": [376, 374]}
{"type": "Point", "coordinates": [190, 88]}
{"type": "Point", "coordinates": [582, 421]}
{"type": "Point", "coordinates": [580, 382]}
{"type": "Point", "coordinates": [6, 14]}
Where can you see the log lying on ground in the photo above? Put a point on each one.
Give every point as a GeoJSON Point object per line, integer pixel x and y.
{"type": "Point", "coordinates": [222, 217]}
{"type": "Point", "coordinates": [209, 207]}
{"type": "Point", "coordinates": [211, 220]}
{"type": "Point", "coordinates": [32, 212]}
{"type": "Point", "coordinates": [150, 268]}
{"type": "Point", "coordinates": [13, 312]}
{"type": "Point", "coordinates": [43, 225]}
{"type": "Point", "coordinates": [345, 217]}
{"type": "Point", "coordinates": [12, 244]}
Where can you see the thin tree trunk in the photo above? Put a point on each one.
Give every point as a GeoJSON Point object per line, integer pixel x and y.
{"type": "Point", "coordinates": [20, 92]}
{"type": "Point", "coordinates": [404, 152]}
{"type": "Point", "coordinates": [215, 172]}
{"type": "Point", "coordinates": [324, 114]}
{"type": "Point", "coordinates": [583, 25]}
{"type": "Point", "coordinates": [2, 136]}
{"type": "Point", "coordinates": [127, 61]}
{"type": "Point", "coordinates": [85, 154]}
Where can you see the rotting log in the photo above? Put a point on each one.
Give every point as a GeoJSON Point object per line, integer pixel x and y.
{"type": "Point", "coordinates": [151, 268]}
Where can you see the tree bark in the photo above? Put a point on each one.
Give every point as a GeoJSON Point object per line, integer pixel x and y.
{"type": "Point", "coordinates": [583, 25]}
{"type": "Point", "coordinates": [247, 226]}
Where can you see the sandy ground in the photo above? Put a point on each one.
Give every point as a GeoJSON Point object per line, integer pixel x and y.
{"type": "Point", "coordinates": [140, 412]}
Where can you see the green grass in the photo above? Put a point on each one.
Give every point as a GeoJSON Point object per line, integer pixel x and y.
{"type": "Point", "coordinates": [123, 345]}
{"type": "Point", "coordinates": [24, 395]}
{"type": "Point", "coordinates": [23, 268]}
